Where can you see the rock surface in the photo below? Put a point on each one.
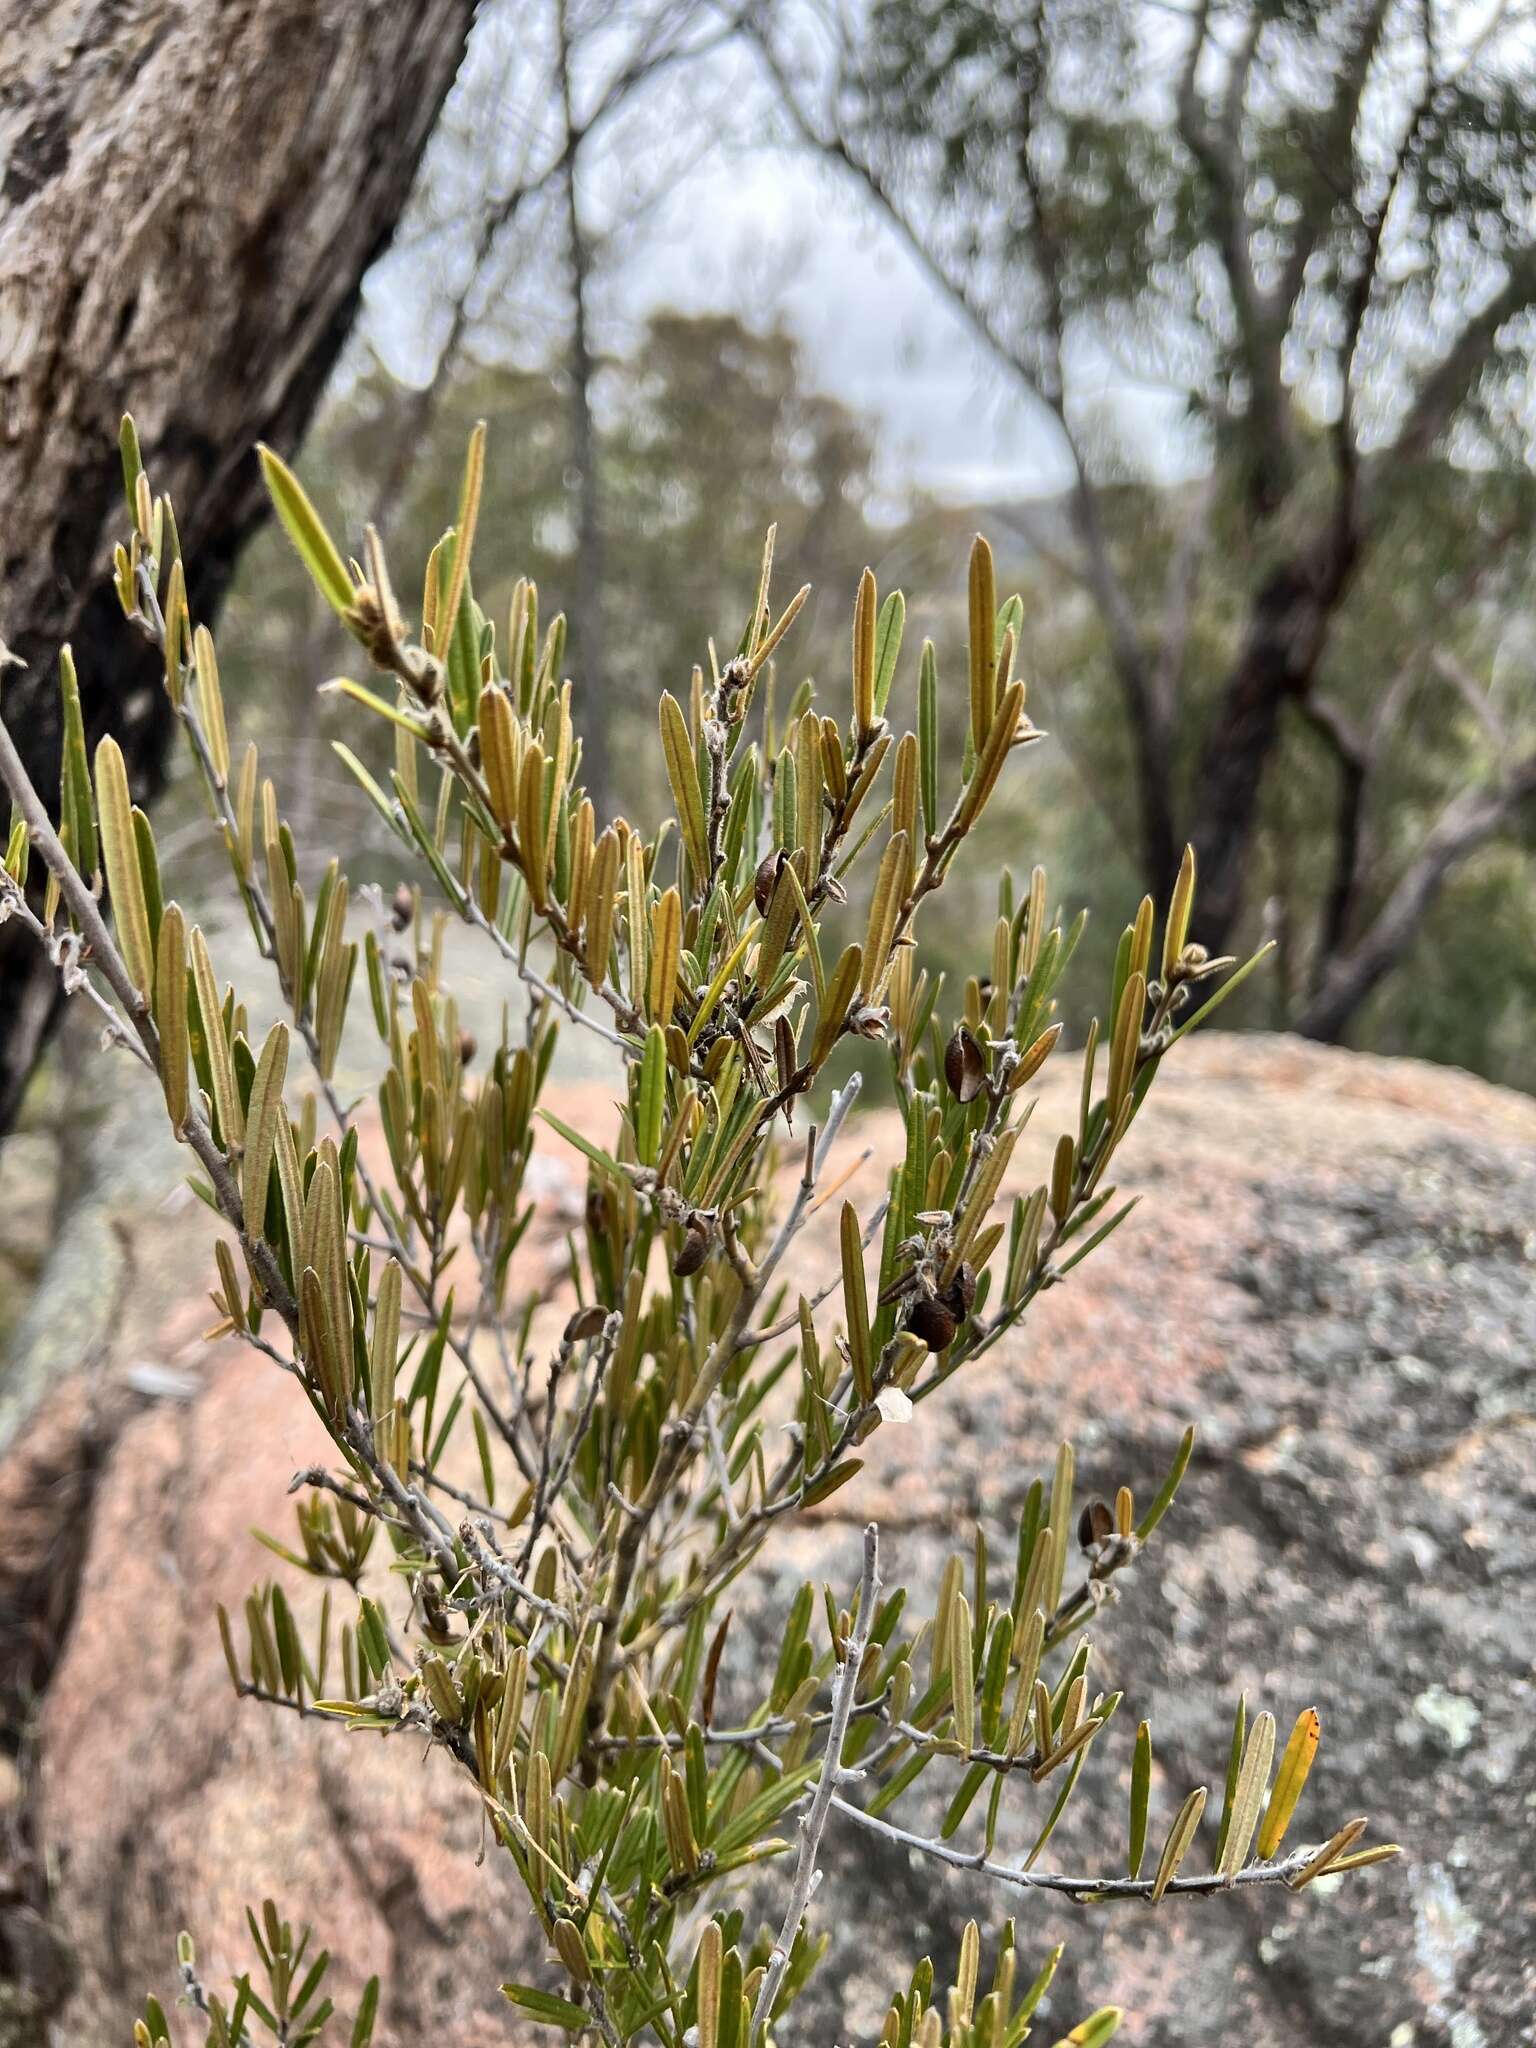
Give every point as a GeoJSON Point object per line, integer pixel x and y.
{"type": "Point", "coordinates": [1333, 1276]}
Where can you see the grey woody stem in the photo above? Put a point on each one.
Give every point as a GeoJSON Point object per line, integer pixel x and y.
{"type": "Point", "coordinates": [87, 914]}
{"type": "Point", "coordinates": [1081, 1890]}
{"type": "Point", "coordinates": [814, 1822]}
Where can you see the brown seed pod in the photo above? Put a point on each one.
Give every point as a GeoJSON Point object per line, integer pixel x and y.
{"type": "Point", "coordinates": [965, 1065]}
{"type": "Point", "coordinates": [598, 1211]}
{"type": "Point", "coordinates": [783, 1050]}
{"type": "Point", "coordinates": [767, 878]}
{"type": "Point", "coordinates": [1094, 1524]}
{"type": "Point", "coordinates": [695, 1248]}
{"type": "Point", "coordinates": [584, 1324]}
{"type": "Point", "coordinates": [468, 1047]}
{"type": "Point", "coordinates": [930, 1319]}
{"type": "Point", "coordinates": [402, 907]}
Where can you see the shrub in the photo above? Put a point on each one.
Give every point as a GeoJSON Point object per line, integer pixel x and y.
{"type": "Point", "coordinates": [530, 1566]}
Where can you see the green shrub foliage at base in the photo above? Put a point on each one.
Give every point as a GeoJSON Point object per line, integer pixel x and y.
{"type": "Point", "coordinates": [530, 1544]}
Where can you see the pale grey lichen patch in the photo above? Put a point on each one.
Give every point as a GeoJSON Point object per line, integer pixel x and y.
{"type": "Point", "coordinates": [1445, 1933]}
{"type": "Point", "coordinates": [1452, 1715]}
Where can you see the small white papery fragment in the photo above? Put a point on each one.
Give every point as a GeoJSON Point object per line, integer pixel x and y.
{"type": "Point", "coordinates": [893, 1405]}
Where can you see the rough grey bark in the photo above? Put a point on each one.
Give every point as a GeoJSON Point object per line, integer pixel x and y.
{"type": "Point", "coordinates": [190, 194]}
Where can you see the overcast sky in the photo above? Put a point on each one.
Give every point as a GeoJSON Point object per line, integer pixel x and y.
{"type": "Point", "coordinates": [781, 231]}
{"type": "Point", "coordinates": [731, 221]}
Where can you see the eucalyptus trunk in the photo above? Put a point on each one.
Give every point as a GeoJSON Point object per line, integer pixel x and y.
{"type": "Point", "coordinates": [190, 195]}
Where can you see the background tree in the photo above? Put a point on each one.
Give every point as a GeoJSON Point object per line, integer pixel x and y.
{"type": "Point", "coordinates": [553, 158]}
{"type": "Point", "coordinates": [1309, 230]}
{"type": "Point", "coordinates": [710, 434]}
{"type": "Point", "coordinates": [222, 173]}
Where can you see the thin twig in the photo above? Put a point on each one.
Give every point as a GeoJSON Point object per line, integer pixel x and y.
{"type": "Point", "coordinates": [1081, 1890]}
{"type": "Point", "coordinates": [813, 1823]}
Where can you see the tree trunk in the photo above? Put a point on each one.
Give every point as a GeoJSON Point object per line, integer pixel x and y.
{"type": "Point", "coordinates": [1282, 644]}
{"type": "Point", "coordinates": [190, 194]}
{"type": "Point", "coordinates": [1468, 821]}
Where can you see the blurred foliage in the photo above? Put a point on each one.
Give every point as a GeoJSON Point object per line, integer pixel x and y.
{"type": "Point", "coordinates": [710, 433]}
{"type": "Point", "coordinates": [1285, 252]}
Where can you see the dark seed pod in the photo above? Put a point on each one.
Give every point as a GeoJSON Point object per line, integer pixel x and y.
{"type": "Point", "coordinates": [959, 1296]}
{"type": "Point", "coordinates": [767, 879]}
{"type": "Point", "coordinates": [695, 1249]}
{"type": "Point", "coordinates": [468, 1047]}
{"type": "Point", "coordinates": [586, 1323]}
{"type": "Point", "coordinates": [930, 1319]}
{"type": "Point", "coordinates": [783, 1050]}
{"type": "Point", "coordinates": [403, 907]}
{"type": "Point", "coordinates": [1094, 1524]}
{"type": "Point", "coordinates": [965, 1065]}
{"type": "Point", "coordinates": [597, 1209]}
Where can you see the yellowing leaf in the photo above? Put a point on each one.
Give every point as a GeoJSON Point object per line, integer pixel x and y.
{"type": "Point", "coordinates": [1289, 1780]}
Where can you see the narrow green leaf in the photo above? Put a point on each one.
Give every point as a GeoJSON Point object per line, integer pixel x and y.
{"type": "Point", "coordinates": [893, 618]}
{"type": "Point", "coordinates": [170, 1007]}
{"type": "Point", "coordinates": [265, 1107]}
{"type": "Point", "coordinates": [77, 816]}
{"type": "Point", "coordinates": [683, 775]}
{"type": "Point", "coordinates": [367, 2013]}
{"type": "Point", "coordinates": [574, 1137]}
{"type": "Point", "coordinates": [1094, 2031]}
{"type": "Point", "coordinates": [1230, 986]}
{"type": "Point", "coordinates": [928, 737]}
{"type": "Point", "coordinates": [856, 1306]}
{"type": "Point", "coordinates": [1248, 1799]}
{"type": "Point", "coordinates": [1176, 1847]}
{"type": "Point", "coordinates": [650, 1096]}
{"type": "Point", "coordinates": [304, 527]}
{"type": "Point", "coordinates": [1234, 1767]}
{"type": "Point", "coordinates": [463, 536]}
{"type": "Point", "coordinates": [841, 989]}
{"type": "Point", "coordinates": [1169, 1487]}
{"type": "Point", "coordinates": [544, 2007]}
{"type": "Point", "coordinates": [133, 461]}
{"type": "Point", "coordinates": [125, 880]}
{"type": "Point", "coordinates": [1141, 1788]}
{"type": "Point", "coordinates": [983, 656]}
{"type": "Point", "coordinates": [209, 1025]}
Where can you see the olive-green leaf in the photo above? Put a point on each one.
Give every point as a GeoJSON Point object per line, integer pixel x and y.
{"type": "Point", "coordinates": [1248, 1795]}
{"type": "Point", "coordinates": [1141, 1787]}
{"type": "Point", "coordinates": [683, 775]}
{"type": "Point", "coordinates": [841, 987]}
{"type": "Point", "coordinates": [1169, 1487]}
{"type": "Point", "coordinates": [266, 1106]}
{"type": "Point", "coordinates": [120, 850]}
{"type": "Point", "coordinates": [305, 528]}
{"type": "Point", "coordinates": [856, 1305]}
{"type": "Point", "coordinates": [1180, 1835]}
{"type": "Point", "coordinates": [77, 818]}
{"type": "Point", "coordinates": [1094, 2031]}
{"type": "Point", "coordinates": [893, 618]}
{"type": "Point", "coordinates": [226, 1097]}
{"type": "Point", "coordinates": [548, 2010]}
{"type": "Point", "coordinates": [650, 1096]}
{"type": "Point", "coordinates": [170, 1007]}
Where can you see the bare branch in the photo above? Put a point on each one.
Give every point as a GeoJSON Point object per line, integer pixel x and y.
{"type": "Point", "coordinates": [813, 1824]}
{"type": "Point", "coordinates": [1469, 820]}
